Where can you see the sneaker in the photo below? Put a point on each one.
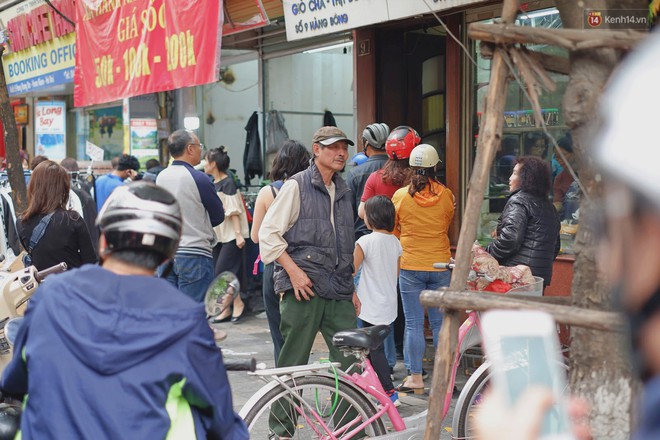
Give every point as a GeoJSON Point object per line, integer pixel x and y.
{"type": "Point", "coordinates": [394, 397]}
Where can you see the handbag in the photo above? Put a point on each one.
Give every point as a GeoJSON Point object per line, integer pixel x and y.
{"type": "Point", "coordinates": [37, 233]}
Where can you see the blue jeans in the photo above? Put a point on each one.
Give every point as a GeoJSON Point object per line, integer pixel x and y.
{"type": "Point", "coordinates": [412, 282]}
{"type": "Point", "coordinates": [191, 274]}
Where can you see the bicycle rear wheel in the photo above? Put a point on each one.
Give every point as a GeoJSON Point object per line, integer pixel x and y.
{"type": "Point", "coordinates": [302, 412]}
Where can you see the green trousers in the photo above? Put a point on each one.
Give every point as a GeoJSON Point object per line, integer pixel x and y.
{"type": "Point", "coordinates": [301, 321]}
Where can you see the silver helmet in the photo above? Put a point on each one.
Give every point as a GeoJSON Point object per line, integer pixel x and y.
{"type": "Point", "coordinates": [141, 216]}
{"type": "Point", "coordinates": [376, 134]}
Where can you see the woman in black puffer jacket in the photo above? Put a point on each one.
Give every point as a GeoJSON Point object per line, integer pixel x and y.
{"type": "Point", "coordinates": [528, 229]}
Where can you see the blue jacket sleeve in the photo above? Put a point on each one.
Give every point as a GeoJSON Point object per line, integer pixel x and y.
{"type": "Point", "coordinates": [210, 199]}
{"type": "Point", "coordinates": [208, 390]}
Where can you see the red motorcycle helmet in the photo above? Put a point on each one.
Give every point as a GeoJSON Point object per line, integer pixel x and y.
{"type": "Point", "coordinates": [401, 142]}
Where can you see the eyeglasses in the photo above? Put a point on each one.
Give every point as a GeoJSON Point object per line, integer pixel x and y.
{"type": "Point", "coordinates": [200, 145]}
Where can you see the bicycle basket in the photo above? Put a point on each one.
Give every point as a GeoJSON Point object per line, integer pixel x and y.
{"type": "Point", "coordinates": [533, 289]}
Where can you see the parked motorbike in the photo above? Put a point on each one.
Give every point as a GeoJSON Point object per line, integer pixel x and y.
{"type": "Point", "coordinates": [16, 288]}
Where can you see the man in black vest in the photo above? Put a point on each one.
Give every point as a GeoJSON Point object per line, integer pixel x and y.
{"type": "Point", "coordinates": [308, 231]}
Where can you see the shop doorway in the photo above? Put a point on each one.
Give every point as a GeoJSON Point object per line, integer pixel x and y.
{"type": "Point", "coordinates": [411, 90]}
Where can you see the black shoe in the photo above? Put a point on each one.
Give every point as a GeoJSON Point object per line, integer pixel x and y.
{"type": "Point", "coordinates": [218, 321]}
{"type": "Point", "coordinates": [235, 319]}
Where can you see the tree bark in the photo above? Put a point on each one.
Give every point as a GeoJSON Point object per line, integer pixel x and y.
{"type": "Point", "coordinates": [599, 366]}
{"type": "Point", "coordinates": [14, 165]}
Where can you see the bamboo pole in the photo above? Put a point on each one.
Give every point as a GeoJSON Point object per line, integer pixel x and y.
{"type": "Point", "coordinates": [571, 39]}
{"type": "Point", "coordinates": [563, 314]}
{"type": "Point", "coordinates": [490, 135]}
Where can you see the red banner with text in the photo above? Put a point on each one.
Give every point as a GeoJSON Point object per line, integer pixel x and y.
{"type": "Point", "coordinates": [126, 48]}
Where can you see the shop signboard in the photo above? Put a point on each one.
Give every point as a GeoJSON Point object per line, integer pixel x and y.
{"type": "Point", "coordinates": [144, 46]}
{"type": "Point", "coordinates": [144, 140]}
{"type": "Point", "coordinates": [310, 18]}
{"type": "Point", "coordinates": [50, 129]}
{"type": "Point", "coordinates": [40, 53]}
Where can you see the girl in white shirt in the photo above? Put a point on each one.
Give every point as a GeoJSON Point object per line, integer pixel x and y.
{"type": "Point", "coordinates": [378, 253]}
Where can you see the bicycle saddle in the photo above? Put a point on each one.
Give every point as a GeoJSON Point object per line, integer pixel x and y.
{"type": "Point", "coordinates": [369, 337]}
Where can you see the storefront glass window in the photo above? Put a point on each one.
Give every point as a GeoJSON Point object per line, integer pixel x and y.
{"type": "Point", "coordinates": [522, 137]}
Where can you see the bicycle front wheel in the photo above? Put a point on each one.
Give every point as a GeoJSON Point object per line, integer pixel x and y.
{"type": "Point", "coordinates": [313, 408]}
{"type": "Point", "coordinates": [468, 402]}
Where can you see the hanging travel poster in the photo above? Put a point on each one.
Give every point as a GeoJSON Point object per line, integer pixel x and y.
{"type": "Point", "coordinates": [50, 129]}
{"type": "Point", "coordinates": [106, 130]}
{"type": "Point", "coordinates": [144, 140]}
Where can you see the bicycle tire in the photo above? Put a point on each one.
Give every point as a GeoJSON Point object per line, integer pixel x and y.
{"type": "Point", "coordinates": [468, 400]}
{"type": "Point", "coordinates": [260, 427]}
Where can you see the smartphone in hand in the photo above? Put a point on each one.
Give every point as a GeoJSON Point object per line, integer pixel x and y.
{"type": "Point", "coordinates": [523, 348]}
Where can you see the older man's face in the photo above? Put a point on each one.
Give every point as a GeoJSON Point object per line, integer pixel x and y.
{"type": "Point", "coordinates": [332, 157]}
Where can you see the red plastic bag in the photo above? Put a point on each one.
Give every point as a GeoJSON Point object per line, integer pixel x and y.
{"type": "Point", "coordinates": [498, 286]}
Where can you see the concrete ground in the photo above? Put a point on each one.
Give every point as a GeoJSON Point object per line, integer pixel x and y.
{"type": "Point", "coordinates": [250, 337]}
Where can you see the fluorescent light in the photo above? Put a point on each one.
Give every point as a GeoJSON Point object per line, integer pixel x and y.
{"type": "Point", "coordinates": [538, 14]}
{"type": "Point", "coordinates": [334, 46]}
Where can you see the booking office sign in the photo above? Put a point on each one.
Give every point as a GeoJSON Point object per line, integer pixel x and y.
{"type": "Point", "coordinates": [41, 44]}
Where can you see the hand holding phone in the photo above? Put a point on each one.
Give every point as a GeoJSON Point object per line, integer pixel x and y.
{"type": "Point", "coordinates": [523, 349]}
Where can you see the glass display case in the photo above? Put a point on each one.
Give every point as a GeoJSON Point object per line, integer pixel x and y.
{"type": "Point", "coordinates": [522, 137]}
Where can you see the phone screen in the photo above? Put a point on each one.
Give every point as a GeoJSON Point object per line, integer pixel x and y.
{"type": "Point", "coordinates": [530, 360]}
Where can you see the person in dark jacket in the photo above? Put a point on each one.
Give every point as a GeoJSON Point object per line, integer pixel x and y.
{"type": "Point", "coordinates": [110, 351]}
{"type": "Point", "coordinates": [528, 229]}
{"type": "Point", "coordinates": [308, 231]}
{"type": "Point", "coordinates": [65, 237]}
{"type": "Point", "coordinates": [373, 142]}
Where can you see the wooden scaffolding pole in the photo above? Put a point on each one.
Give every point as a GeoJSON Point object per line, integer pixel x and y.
{"type": "Point", "coordinates": [490, 134]}
{"type": "Point", "coordinates": [571, 39]}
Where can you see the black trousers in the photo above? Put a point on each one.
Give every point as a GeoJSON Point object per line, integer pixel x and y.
{"type": "Point", "coordinates": [379, 362]}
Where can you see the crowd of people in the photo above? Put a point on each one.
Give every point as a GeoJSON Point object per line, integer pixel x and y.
{"type": "Point", "coordinates": [338, 253]}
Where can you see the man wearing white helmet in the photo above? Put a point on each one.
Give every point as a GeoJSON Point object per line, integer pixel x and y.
{"type": "Point", "coordinates": [111, 351]}
{"type": "Point", "coordinates": [626, 152]}
{"type": "Point", "coordinates": [373, 143]}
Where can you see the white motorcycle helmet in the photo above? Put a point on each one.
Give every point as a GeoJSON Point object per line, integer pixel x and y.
{"type": "Point", "coordinates": [628, 145]}
{"type": "Point", "coordinates": [424, 156]}
{"type": "Point", "coordinates": [141, 216]}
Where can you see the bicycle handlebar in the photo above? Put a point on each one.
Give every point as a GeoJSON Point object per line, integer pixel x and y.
{"type": "Point", "coordinates": [241, 364]}
{"type": "Point", "coordinates": [41, 274]}
{"type": "Point", "coordinates": [449, 266]}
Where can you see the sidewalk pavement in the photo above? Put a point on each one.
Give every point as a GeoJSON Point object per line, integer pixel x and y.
{"type": "Point", "coordinates": [250, 337]}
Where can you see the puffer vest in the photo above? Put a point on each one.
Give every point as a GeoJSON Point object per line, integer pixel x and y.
{"type": "Point", "coordinates": [324, 253]}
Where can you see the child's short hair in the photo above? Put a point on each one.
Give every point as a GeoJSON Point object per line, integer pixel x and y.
{"type": "Point", "coordinates": [380, 212]}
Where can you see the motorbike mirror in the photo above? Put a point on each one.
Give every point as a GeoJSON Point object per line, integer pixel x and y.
{"type": "Point", "coordinates": [220, 294]}
{"type": "Point", "coordinates": [11, 329]}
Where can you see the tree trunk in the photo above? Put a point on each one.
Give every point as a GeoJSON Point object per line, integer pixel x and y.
{"type": "Point", "coordinates": [14, 165]}
{"type": "Point", "coordinates": [599, 365]}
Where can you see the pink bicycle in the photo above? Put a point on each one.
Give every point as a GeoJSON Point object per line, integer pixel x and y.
{"type": "Point", "coordinates": [321, 401]}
